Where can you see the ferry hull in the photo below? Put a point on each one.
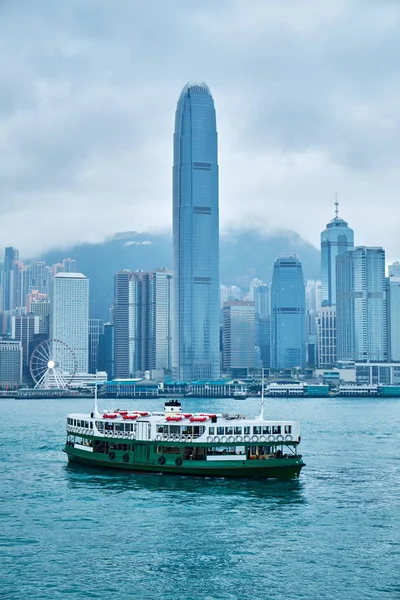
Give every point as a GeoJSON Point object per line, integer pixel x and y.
{"type": "Point", "coordinates": [264, 469]}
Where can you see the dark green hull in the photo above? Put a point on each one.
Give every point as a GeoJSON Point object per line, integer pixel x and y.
{"type": "Point", "coordinates": [273, 468]}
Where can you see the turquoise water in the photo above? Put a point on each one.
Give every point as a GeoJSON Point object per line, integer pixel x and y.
{"type": "Point", "coordinates": [75, 533]}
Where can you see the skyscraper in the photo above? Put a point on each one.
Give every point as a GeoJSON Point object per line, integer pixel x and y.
{"type": "Point", "coordinates": [69, 320]}
{"type": "Point", "coordinates": [11, 256]}
{"type": "Point", "coordinates": [195, 237]}
{"type": "Point", "coordinates": [142, 321]}
{"type": "Point", "coordinates": [238, 336]}
{"type": "Point", "coordinates": [336, 239]}
{"type": "Point", "coordinates": [96, 329]}
{"type": "Point", "coordinates": [361, 305]}
{"type": "Point", "coordinates": [288, 313]}
{"type": "Point", "coordinates": [393, 317]}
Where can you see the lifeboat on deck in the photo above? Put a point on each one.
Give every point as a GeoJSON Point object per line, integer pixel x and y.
{"type": "Point", "coordinates": [200, 419]}
{"type": "Point", "coordinates": [177, 418]}
{"type": "Point", "coordinates": [110, 416]}
{"type": "Point", "coordinates": [141, 413]}
{"type": "Point", "coordinates": [130, 417]}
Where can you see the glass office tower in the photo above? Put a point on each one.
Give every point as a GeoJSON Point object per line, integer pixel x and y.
{"type": "Point", "coordinates": [361, 305]}
{"type": "Point", "coordinates": [336, 239]}
{"type": "Point", "coordinates": [195, 237]}
{"type": "Point", "coordinates": [288, 313]}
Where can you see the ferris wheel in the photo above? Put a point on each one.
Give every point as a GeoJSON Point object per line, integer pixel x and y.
{"type": "Point", "coordinates": [53, 365]}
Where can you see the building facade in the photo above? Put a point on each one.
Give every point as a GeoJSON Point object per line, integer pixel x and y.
{"type": "Point", "coordinates": [393, 318]}
{"type": "Point", "coordinates": [10, 363]}
{"type": "Point", "coordinates": [106, 351]}
{"type": "Point", "coordinates": [288, 314]}
{"type": "Point", "coordinates": [195, 237]}
{"type": "Point", "coordinates": [142, 322]}
{"type": "Point", "coordinates": [69, 321]}
{"type": "Point", "coordinates": [361, 305]}
{"type": "Point", "coordinates": [326, 330]}
{"type": "Point", "coordinates": [238, 335]}
{"type": "Point", "coordinates": [96, 329]}
{"type": "Point", "coordinates": [336, 239]}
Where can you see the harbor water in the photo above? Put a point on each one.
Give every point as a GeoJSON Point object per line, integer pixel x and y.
{"type": "Point", "coordinates": [73, 532]}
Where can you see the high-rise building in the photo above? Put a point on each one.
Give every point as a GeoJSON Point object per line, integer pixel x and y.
{"type": "Point", "coordinates": [361, 305]}
{"type": "Point", "coordinates": [238, 336]}
{"type": "Point", "coordinates": [106, 351]}
{"type": "Point", "coordinates": [393, 317]}
{"type": "Point", "coordinates": [96, 329]}
{"type": "Point", "coordinates": [326, 328]}
{"type": "Point", "coordinates": [142, 322]}
{"type": "Point", "coordinates": [24, 328]}
{"type": "Point", "coordinates": [195, 237]}
{"type": "Point", "coordinates": [11, 256]}
{"type": "Point", "coordinates": [10, 363]}
{"type": "Point", "coordinates": [262, 309]}
{"type": "Point", "coordinates": [288, 313]}
{"type": "Point", "coordinates": [69, 320]}
{"type": "Point", "coordinates": [336, 239]}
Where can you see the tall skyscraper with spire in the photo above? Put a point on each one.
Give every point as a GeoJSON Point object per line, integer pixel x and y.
{"type": "Point", "coordinates": [195, 237]}
{"type": "Point", "coordinates": [336, 239]}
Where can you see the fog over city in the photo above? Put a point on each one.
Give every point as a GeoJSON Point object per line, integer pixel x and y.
{"type": "Point", "coordinates": [306, 95]}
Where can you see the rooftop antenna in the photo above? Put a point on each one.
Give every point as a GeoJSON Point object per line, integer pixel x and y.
{"type": "Point", "coordinates": [336, 207]}
{"type": "Point", "coordinates": [261, 415]}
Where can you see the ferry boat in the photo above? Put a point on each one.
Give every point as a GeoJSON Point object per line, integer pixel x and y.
{"type": "Point", "coordinates": [173, 441]}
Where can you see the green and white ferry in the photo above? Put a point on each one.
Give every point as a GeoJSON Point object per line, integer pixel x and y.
{"type": "Point", "coordinates": [212, 445]}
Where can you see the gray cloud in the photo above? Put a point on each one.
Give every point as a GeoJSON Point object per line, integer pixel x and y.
{"type": "Point", "coordinates": [306, 96]}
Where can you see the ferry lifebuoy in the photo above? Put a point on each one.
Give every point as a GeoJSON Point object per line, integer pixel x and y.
{"type": "Point", "coordinates": [254, 438]}
{"type": "Point", "coordinates": [210, 438]}
{"type": "Point", "coordinates": [288, 438]}
{"type": "Point", "coordinates": [238, 438]}
{"type": "Point", "coordinates": [158, 437]}
{"type": "Point", "coordinates": [246, 438]}
{"type": "Point", "coordinates": [279, 438]}
{"type": "Point", "coordinates": [178, 461]}
{"type": "Point", "coordinates": [165, 436]}
{"type": "Point", "coordinates": [161, 460]}
{"type": "Point", "coordinates": [271, 438]}
{"type": "Point", "coordinates": [231, 438]}
{"type": "Point", "coordinates": [223, 439]}
{"type": "Point", "coordinates": [216, 439]}
{"type": "Point", "coordinates": [188, 438]}
{"type": "Point", "coordinates": [262, 438]}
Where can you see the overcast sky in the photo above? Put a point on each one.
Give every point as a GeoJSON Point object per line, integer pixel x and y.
{"type": "Point", "coordinates": [307, 95]}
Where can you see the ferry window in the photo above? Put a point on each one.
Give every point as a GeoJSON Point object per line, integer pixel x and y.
{"type": "Point", "coordinates": [87, 424]}
{"type": "Point", "coordinates": [75, 422]}
{"type": "Point", "coordinates": [266, 429]}
{"type": "Point", "coordinates": [257, 430]}
{"type": "Point", "coordinates": [246, 430]}
{"type": "Point", "coordinates": [160, 429]}
{"type": "Point", "coordinates": [238, 430]}
{"type": "Point", "coordinates": [174, 429]}
{"type": "Point", "coordinates": [220, 431]}
{"type": "Point", "coordinates": [229, 430]}
{"type": "Point", "coordinates": [91, 424]}
{"type": "Point", "coordinates": [211, 430]}
{"type": "Point", "coordinates": [276, 429]}
{"type": "Point", "coordinates": [288, 429]}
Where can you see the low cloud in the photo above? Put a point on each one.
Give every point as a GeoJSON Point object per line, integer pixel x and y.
{"type": "Point", "coordinates": [306, 97]}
